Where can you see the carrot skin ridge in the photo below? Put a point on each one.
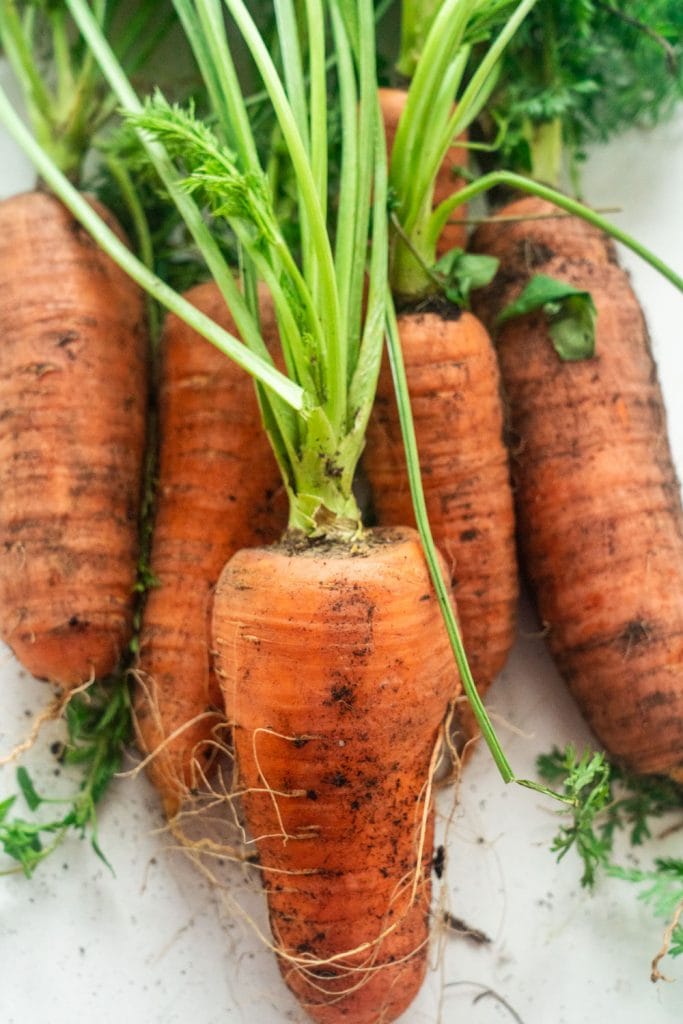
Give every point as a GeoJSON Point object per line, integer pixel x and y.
{"type": "Point", "coordinates": [598, 461]}
{"type": "Point", "coordinates": [323, 803]}
{"type": "Point", "coordinates": [218, 489]}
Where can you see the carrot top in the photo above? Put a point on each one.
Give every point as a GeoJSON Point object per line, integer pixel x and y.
{"type": "Point", "coordinates": [331, 349]}
{"type": "Point", "coordinates": [66, 97]}
{"type": "Point", "coordinates": [442, 35]}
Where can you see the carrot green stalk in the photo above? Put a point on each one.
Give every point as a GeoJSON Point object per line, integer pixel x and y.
{"type": "Point", "coordinates": [519, 182]}
{"type": "Point", "coordinates": [121, 255]}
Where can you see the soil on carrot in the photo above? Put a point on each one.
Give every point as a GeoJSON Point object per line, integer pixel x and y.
{"type": "Point", "coordinates": [434, 303]}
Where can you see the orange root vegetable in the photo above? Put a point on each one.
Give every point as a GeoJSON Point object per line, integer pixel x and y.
{"type": "Point", "coordinates": [337, 675]}
{"type": "Point", "coordinates": [73, 394]}
{"type": "Point", "coordinates": [598, 504]}
{"type": "Point", "coordinates": [454, 387]}
{"type": "Point", "coordinates": [219, 489]}
{"type": "Point", "coordinates": [454, 235]}
{"type": "Point", "coordinates": [527, 233]}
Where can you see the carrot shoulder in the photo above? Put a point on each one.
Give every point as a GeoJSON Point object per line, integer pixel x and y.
{"type": "Point", "coordinates": [598, 504]}
{"type": "Point", "coordinates": [219, 489]}
{"type": "Point", "coordinates": [337, 674]}
{"type": "Point", "coordinates": [73, 393]}
{"type": "Point", "coordinates": [454, 386]}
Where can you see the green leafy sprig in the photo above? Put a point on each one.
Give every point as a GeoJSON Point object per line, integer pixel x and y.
{"type": "Point", "coordinates": [614, 802]}
{"type": "Point", "coordinates": [582, 71]}
{"type": "Point", "coordinates": [98, 725]}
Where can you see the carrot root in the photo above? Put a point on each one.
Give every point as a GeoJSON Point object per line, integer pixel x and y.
{"type": "Point", "coordinates": [337, 676]}
{"type": "Point", "coordinates": [73, 394]}
{"type": "Point", "coordinates": [218, 489]}
{"type": "Point", "coordinates": [598, 502]}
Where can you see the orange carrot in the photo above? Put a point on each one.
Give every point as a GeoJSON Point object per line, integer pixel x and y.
{"type": "Point", "coordinates": [219, 489]}
{"type": "Point", "coordinates": [528, 232]}
{"type": "Point", "coordinates": [336, 705]}
{"type": "Point", "coordinates": [454, 235]}
{"type": "Point", "coordinates": [455, 394]}
{"type": "Point", "coordinates": [598, 503]}
{"type": "Point", "coordinates": [73, 391]}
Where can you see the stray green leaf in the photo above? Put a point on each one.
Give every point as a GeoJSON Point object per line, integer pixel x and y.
{"type": "Point", "coordinates": [5, 807]}
{"type": "Point", "coordinates": [570, 312]}
{"type": "Point", "coordinates": [462, 271]}
{"type": "Point", "coordinates": [28, 790]}
{"type": "Point", "coordinates": [586, 783]}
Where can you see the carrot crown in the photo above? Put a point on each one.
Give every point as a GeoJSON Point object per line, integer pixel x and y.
{"type": "Point", "coordinates": [442, 35]}
{"type": "Point", "coordinates": [67, 100]}
{"type": "Point", "coordinates": [331, 348]}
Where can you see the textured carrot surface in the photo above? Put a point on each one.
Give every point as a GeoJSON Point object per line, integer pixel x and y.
{"type": "Point", "coordinates": [337, 674]}
{"type": "Point", "coordinates": [219, 489]}
{"type": "Point", "coordinates": [454, 386]}
{"type": "Point", "coordinates": [599, 510]}
{"type": "Point", "coordinates": [73, 394]}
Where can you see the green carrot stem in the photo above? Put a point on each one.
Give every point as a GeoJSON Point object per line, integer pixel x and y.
{"type": "Point", "coordinates": [264, 372]}
{"type": "Point", "coordinates": [121, 176]}
{"type": "Point", "coordinates": [572, 206]}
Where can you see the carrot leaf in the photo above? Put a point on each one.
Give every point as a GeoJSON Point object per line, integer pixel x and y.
{"type": "Point", "coordinates": [98, 723]}
{"type": "Point", "coordinates": [27, 788]}
{"type": "Point", "coordinates": [463, 271]}
{"type": "Point", "coordinates": [570, 312]}
{"type": "Point", "coordinates": [586, 783]}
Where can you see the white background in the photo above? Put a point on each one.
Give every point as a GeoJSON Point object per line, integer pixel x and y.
{"type": "Point", "coordinates": [156, 943]}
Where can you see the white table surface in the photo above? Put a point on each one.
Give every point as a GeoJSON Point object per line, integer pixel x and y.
{"type": "Point", "coordinates": [155, 943]}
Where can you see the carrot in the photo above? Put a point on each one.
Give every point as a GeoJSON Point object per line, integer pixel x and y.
{"type": "Point", "coordinates": [453, 381]}
{"type": "Point", "coordinates": [598, 504]}
{"type": "Point", "coordinates": [528, 232]}
{"type": "Point", "coordinates": [447, 181]}
{"type": "Point", "coordinates": [454, 387]}
{"type": "Point", "coordinates": [335, 758]}
{"type": "Point", "coordinates": [219, 489]}
{"type": "Point", "coordinates": [73, 398]}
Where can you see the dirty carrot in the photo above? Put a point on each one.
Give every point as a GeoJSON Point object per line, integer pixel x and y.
{"type": "Point", "coordinates": [598, 503]}
{"type": "Point", "coordinates": [600, 524]}
{"type": "Point", "coordinates": [218, 489]}
{"type": "Point", "coordinates": [457, 408]}
{"type": "Point", "coordinates": [453, 381]}
{"type": "Point", "coordinates": [73, 386]}
{"type": "Point", "coordinates": [336, 758]}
